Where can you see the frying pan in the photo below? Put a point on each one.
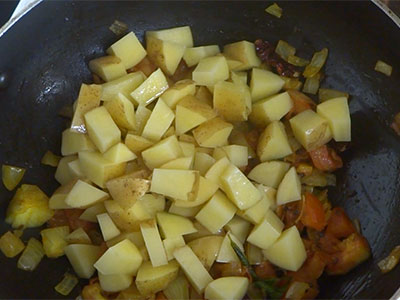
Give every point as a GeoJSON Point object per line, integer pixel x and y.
{"type": "Point", "coordinates": [46, 53]}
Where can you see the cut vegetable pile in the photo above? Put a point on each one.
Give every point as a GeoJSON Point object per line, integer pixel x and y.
{"type": "Point", "coordinates": [191, 173]}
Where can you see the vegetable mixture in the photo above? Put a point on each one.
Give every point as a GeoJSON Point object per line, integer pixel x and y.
{"type": "Point", "coordinates": [191, 173]}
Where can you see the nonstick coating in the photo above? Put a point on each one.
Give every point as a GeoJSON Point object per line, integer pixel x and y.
{"type": "Point", "coordinates": [46, 55]}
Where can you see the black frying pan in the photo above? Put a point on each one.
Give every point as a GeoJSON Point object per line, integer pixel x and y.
{"type": "Point", "coordinates": [46, 55]}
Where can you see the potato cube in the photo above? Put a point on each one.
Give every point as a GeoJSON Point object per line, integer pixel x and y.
{"type": "Point", "coordinates": [188, 149]}
{"type": "Point", "coordinates": [256, 213]}
{"type": "Point", "coordinates": [122, 111]}
{"type": "Point", "coordinates": [227, 288]}
{"type": "Point", "coordinates": [154, 245]}
{"type": "Point", "coordinates": [172, 243]}
{"type": "Point", "coordinates": [245, 52]}
{"type": "Point", "coordinates": [192, 56]}
{"type": "Point", "coordinates": [239, 227]}
{"type": "Point", "coordinates": [119, 153]}
{"type": "Point", "coordinates": [206, 249]}
{"type": "Point", "coordinates": [159, 121]}
{"type": "Point", "coordinates": [73, 142]}
{"type": "Point", "coordinates": [107, 67]}
{"type": "Point", "coordinates": [115, 282]}
{"type": "Point", "coordinates": [310, 129]}
{"type": "Point", "coordinates": [232, 101]}
{"type": "Point", "coordinates": [207, 188]}
{"type": "Point", "coordinates": [182, 163]}
{"type": "Point", "coordinates": [135, 237]}
{"type": "Point", "coordinates": [128, 49]}
{"type": "Point", "coordinates": [204, 95]}
{"type": "Point", "coordinates": [83, 195]}
{"type": "Point", "coordinates": [288, 252]}
{"type": "Point", "coordinates": [82, 257]}
{"type": "Point", "coordinates": [151, 88]}
{"type": "Point", "coordinates": [137, 143]}
{"type": "Point", "coordinates": [215, 172]}
{"type": "Point", "coordinates": [216, 213]}
{"type": "Point", "coordinates": [172, 225]}
{"type": "Point", "coordinates": [210, 70]}
{"type": "Point", "coordinates": [107, 227]}
{"type": "Point", "coordinates": [190, 112]}
{"type": "Point", "coordinates": [273, 142]}
{"type": "Point", "coordinates": [289, 189]}
{"type": "Point", "coordinates": [270, 109]}
{"type": "Point", "coordinates": [142, 116]}
{"type": "Point", "coordinates": [122, 258]}
{"type": "Point", "coordinates": [153, 203]}
{"type": "Point", "coordinates": [178, 91]}
{"type": "Point", "coordinates": [164, 54]}
{"type": "Point", "coordinates": [226, 253]}
{"type": "Point", "coordinates": [101, 128]}
{"type": "Point", "coordinates": [78, 236]}
{"type": "Point", "coordinates": [124, 85]}
{"type": "Point", "coordinates": [10, 244]}
{"type": "Point", "coordinates": [201, 232]}
{"type": "Point", "coordinates": [54, 240]}
{"type": "Point", "coordinates": [123, 218]}
{"type": "Point", "coordinates": [162, 152]}
{"type": "Point", "coordinates": [239, 77]}
{"type": "Point", "coordinates": [264, 83]}
{"type": "Point", "coordinates": [238, 188]}
{"type": "Point", "coordinates": [267, 231]}
{"type": "Point", "coordinates": [88, 99]}
{"type": "Point", "coordinates": [336, 112]}
{"type": "Point", "coordinates": [269, 173]}
{"type": "Point", "coordinates": [63, 173]}
{"type": "Point", "coordinates": [233, 64]}
{"type": "Point", "coordinates": [193, 268]}
{"type": "Point", "coordinates": [139, 211]}
{"type": "Point", "coordinates": [75, 169]}
{"type": "Point", "coordinates": [213, 133]}
{"type": "Point", "coordinates": [184, 211]}
{"type": "Point", "coordinates": [203, 162]}
{"type": "Point", "coordinates": [237, 154]}
{"type": "Point", "coordinates": [90, 213]}
{"type": "Point", "coordinates": [179, 35]}
{"type": "Point", "coordinates": [152, 279]}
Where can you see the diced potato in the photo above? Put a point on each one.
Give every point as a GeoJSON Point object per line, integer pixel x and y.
{"type": "Point", "coordinates": [254, 254]}
{"type": "Point", "coordinates": [124, 85]}
{"type": "Point", "coordinates": [172, 243]}
{"type": "Point", "coordinates": [210, 70]}
{"type": "Point", "coordinates": [245, 52]}
{"type": "Point", "coordinates": [83, 195]}
{"type": "Point", "coordinates": [190, 112]}
{"type": "Point", "coordinates": [75, 169]}
{"type": "Point", "coordinates": [182, 163]}
{"type": "Point", "coordinates": [238, 188]}
{"type": "Point", "coordinates": [28, 208]}
{"type": "Point", "coordinates": [123, 218]}
{"type": "Point", "coordinates": [159, 121]}
{"type": "Point", "coordinates": [153, 243]}
{"type": "Point", "coordinates": [88, 99]}
{"type": "Point", "coordinates": [142, 116]}
{"type": "Point", "coordinates": [269, 173]}
{"type": "Point", "coordinates": [82, 257]}
{"type": "Point", "coordinates": [73, 142]}
{"type": "Point", "coordinates": [107, 67]}
{"type": "Point", "coordinates": [193, 268]}
{"type": "Point", "coordinates": [289, 189]}
{"type": "Point", "coordinates": [63, 173]}
{"type": "Point", "coordinates": [215, 172]}
{"type": "Point", "coordinates": [137, 143]}
{"type": "Point", "coordinates": [336, 111]}
{"type": "Point", "coordinates": [310, 129]}
{"type": "Point", "coordinates": [273, 142]}
{"type": "Point", "coordinates": [90, 213]}
{"type": "Point", "coordinates": [237, 154]}
{"type": "Point", "coordinates": [256, 213]}
{"type": "Point", "coordinates": [134, 236]}
{"type": "Point", "coordinates": [57, 200]}
{"type": "Point", "coordinates": [185, 187]}
{"type": "Point", "coordinates": [114, 282]}
{"type": "Point", "coordinates": [122, 112]}
{"type": "Point", "coordinates": [119, 153]}
{"type": "Point", "coordinates": [122, 258]}
{"type": "Point", "coordinates": [203, 162]}
{"type": "Point", "coordinates": [204, 95]}
{"type": "Point", "coordinates": [151, 88]}
{"type": "Point", "coordinates": [206, 249]}
{"type": "Point", "coordinates": [153, 203]}
{"type": "Point", "coordinates": [233, 64]}
{"type": "Point", "coordinates": [216, 213]}
{"type": "Point", "coordinates": [288, 251]}
{"type": "Point", "coordinates": [239, 77]}
{"type": "Point", "coordinates": [107, 227]}
{"type": "Point", "coordinates": [213, 133]}
{"type": "Point", "coordinates": [207, 188]}
{"type": "Point", "coordinates": [237, 137]}
{"type": "Point", "coordinates": [184, 211]}
{"type": "Point", "coordinates": [192, 56]}
{"type": "Point", "coordinates": [229, 288]}
{"type": "Point", "coordinates": [239, 227]}
{"type": "Point", "coordinates": [201, 232]}
{"type": "Point", "coordinates": [264, 83]}
{"type": "Point", "coordinates": [164, 54]}
{"type": "Point", "coordinates": [54, 240]}
{"type": "Point", "coordinates": [178, 91]}
{"type": "Point", "coordinates": [232, 101]}
{"type": "Point", "coordinates": [188, 149]}
{"type": "Point", "coordinates": [172, 225]}
{"type": "Point", "coordinates": [138, 211]}
{"type": "Point", "coordinates": [78, 236]}
{"type": "Point", "coordinates": [267, 231]}
{"type": "Point", "coordinates": [179, 35]}
{"type": "Point", "coordinates": [151, 279]}
{"type": "Point", "coordinates": [10, 244]}
{"type": "Point", "coordinates": [226, 253]}
{"type": "Point", "coordinates": [219, 153]}
{"type": "Point", "coordinates": [128, 49]}
{"type": "Point", "coordinates": [162, 152]}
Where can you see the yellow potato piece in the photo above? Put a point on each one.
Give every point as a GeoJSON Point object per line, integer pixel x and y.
{"type": "Point", "coordinates": [239, 227]}
{"type": "Point", "coordinates": [124, 85]}
{"type": "Point", "coordinates": [289, 189]}
{"type": "Point", "coordinates": [159, 121]}
{"type": "Point", "coordinates": [178, 91]}
{"type": "Point", "coordinates": [264, 83]}
{"type": "Point", "coordinates": [243, 51]}
{"type": "Point", "coordinates": [83, 195]}
{"type": "Point", "coordinates": [172, 243]}
{"type": "Point", "coordinates": [107, 227]}
{"type": "Point", "coordinates": [154, 245]}
{"type": "Point", "coordinates": [82, 257]}
{"type": "Point", "coordinates": [229, 288]}
{"type": "Point", "coordinates": [122, 111]}
{"type": "Point", "coordinates": [192, 56]}
{"type": "Point", "coordinates": [115, 282]}
{"type": "Point", "coordinates": [179, 35]}
{"type": "Point", "coordinates": [210, 70]}
{"type": "Point", "coordinates": [213, 133]}
{"type": "Point", "coordinates": [162, 152]}
{"type": "Point", "coordinates": [107, 67]}
{"type": "Point", "coordinates": [73, 142]}
{"type": "Point", "coordinates": [206, 249]}
{"type": "Point", "coordinates": [269, 173]}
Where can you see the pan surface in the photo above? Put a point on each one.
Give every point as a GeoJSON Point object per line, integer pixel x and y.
{"type": "Point", "coordinates": [46, 55]}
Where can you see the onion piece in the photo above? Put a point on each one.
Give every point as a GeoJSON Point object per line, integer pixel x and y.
{"type": "Point", "coordinates": [296, 290]}
{"type": "Point", "coordinates": [118, 27]}
{"type": "Point", "coordinates": [67, 284]}
{"type": "Point", "coordinates": [284, 50]}
{"type": "Point", "coordinates": [383, 68]}
{"type": "Point", "coordinates": [50, 159]}
{"type": "Point", "coordinates": [297, 61]}
{"type": "Point", "coordinates": [10, 244]}
{"type": "Point", "coordinates": [31, 256]}
{"type": "Point", "coordinates": [317, 62]}
{"type": "Point", "coordinates": [291, 83]}
{"type": "Point", "coordinates": [326, 94]}
{"type": "Point", "coordinates": [177, 289]}
{"type": "Point", "coordinates": [11, 176]}
{"type": "Point", "coordinates": [311, 85]}
{"type": "Point", "coordinates": [274, 10]}
{"type": "Point", "coordinates": [318, 178]}
{"type": "Point", "coordinates": [388, 263]}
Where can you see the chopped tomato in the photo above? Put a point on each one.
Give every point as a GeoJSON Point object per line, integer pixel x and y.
{"type": "Point", "coordinates": [59, 219]}
{"type": "Point", "coordinates": [145, 65]}
{"type": "Point", "coordinates": [70, 217]}
{"type": "Point", "coordinates": [312, 269]}
{"type": "Point", "coordinates": [265, 270]}
{"type": "Point", "coordinates": [291, 213]}
{"type": "Point", "coordinates": [328, 243]}
{"type": "Point", "coordinates": [299, 157]}
{"type": "Point", "coordinates": [301, 102]}
{"type": "Point", "coordinates": [326, 159]}
{"type": "Point", "coordinates": [312, 292]}
{"type": "Point", "coordinates": [313, 212]}
{"type": "Point", "coordinates": [339, 224]}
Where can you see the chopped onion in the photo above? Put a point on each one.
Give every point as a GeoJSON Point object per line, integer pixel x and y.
{"type": "Point", "coordinates": [11, 176]}
{"type": "Point", "coordinates": [317, 62]}
{"type": "Point", "coordinates": [18, 232]}
{"type": "Point", "coordinates": [291, 83]}
{"type": "Point", "coordinates": [387, 264]}
{"type": "Point", "coordinates": [284, 50]}
{"type": "Point", "coordinates": [296, 290]}
{"type": "Point", "coordinates": [383, 68]}
{"type": "Point", "coordinates": [326, 94]}
{"type": "Point", "coordinates": [318, 178]}
{"type": "Point", "coordinates": [11, 245]}
{"type": "Point", "coordinates": [66, 285]}
{"type": "Point", "coordinates": [31, 256]}
{"type": "Point", "coordinates": [311, 85]}
{"type": "Point", "coordinates": [118, 27]}
{"type": "Point", "coordinates": [297, 61]}
{"type": "Point", "coordinates": [274, 10]}
{"type": "Point", "coordinates": [50, 159]}
{"type": "Point", "coordinates": [177, 289]}
{"type": "Point", "coordinates": [357, 225]}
